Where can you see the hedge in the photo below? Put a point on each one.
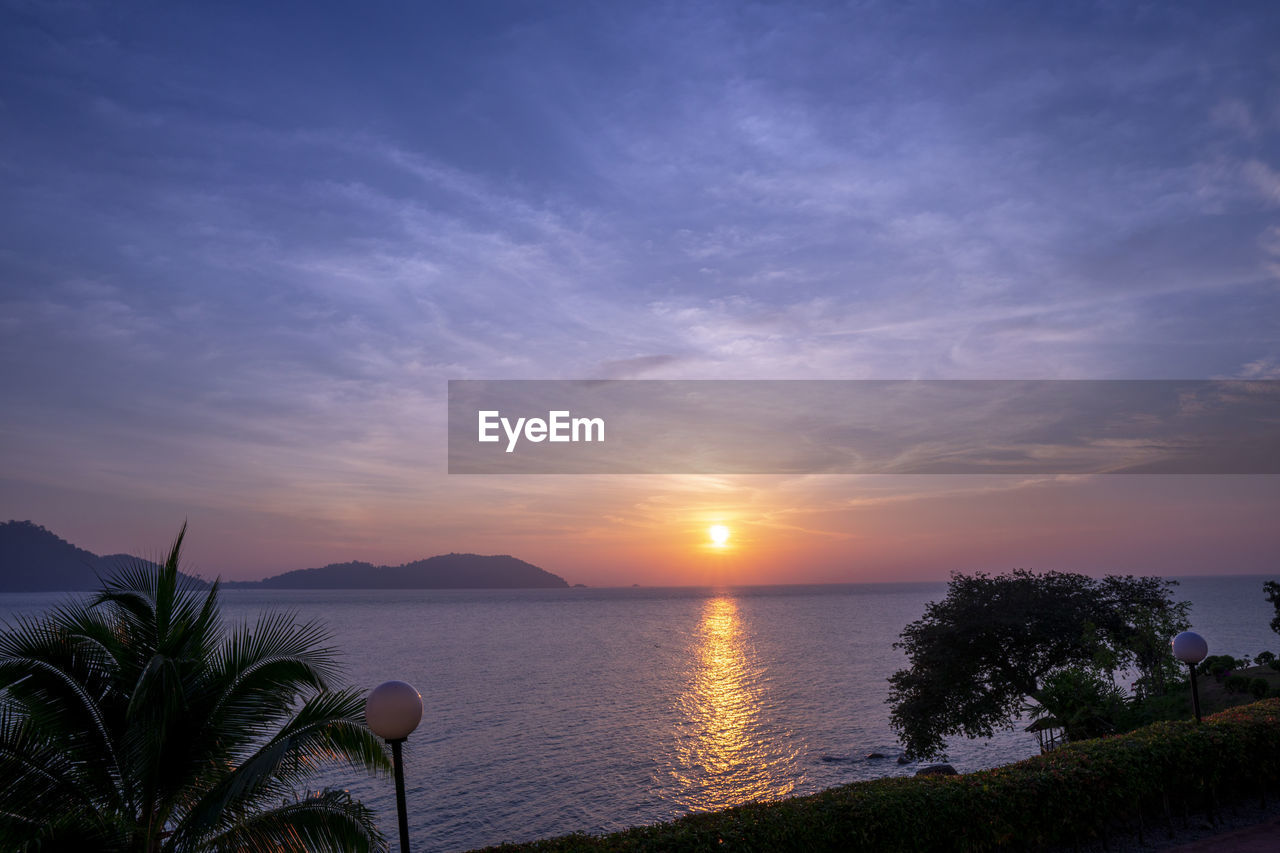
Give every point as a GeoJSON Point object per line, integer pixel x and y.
{"type": "Point", "coordinates": [1147, 781]}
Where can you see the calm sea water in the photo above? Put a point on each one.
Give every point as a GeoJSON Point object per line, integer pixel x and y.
{"type": "Point", "coordinates": [552, 711]}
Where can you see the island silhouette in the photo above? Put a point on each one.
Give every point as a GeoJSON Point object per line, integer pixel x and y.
{"type": "Point", "coordinates": [447, 571]}
{"type": "Point", "coordinates": [33, 559]}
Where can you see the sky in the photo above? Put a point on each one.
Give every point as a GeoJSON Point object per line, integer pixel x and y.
{"type": "Point", "coordinates": [244, 247]}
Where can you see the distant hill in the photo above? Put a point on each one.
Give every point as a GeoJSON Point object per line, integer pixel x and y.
{"type": "Point", "coordinates": [32, 559]}
{"type": "Point", "coordinates": [448, 571]}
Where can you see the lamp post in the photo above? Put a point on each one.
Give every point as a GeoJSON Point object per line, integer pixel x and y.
{"type": "Point", "coordinates": [392, 711]}
{"type": "Point", "coordinates": [1190, 648]}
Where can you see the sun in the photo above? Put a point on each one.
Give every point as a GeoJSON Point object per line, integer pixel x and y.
{"type": "Point", "coordinates": [719, 535]}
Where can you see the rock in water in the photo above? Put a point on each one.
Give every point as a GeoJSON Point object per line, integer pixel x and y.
{"type": "Point", "coordinates": [937, 770]}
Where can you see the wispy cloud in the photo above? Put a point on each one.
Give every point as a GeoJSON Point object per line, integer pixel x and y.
{"type": "Point", "coordinates": [240, 261]}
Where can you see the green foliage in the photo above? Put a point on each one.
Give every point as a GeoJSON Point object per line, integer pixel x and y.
{"type": "Point", "coordinates": [980, 653]}
{"type": "Point", "coordinates": [1072, 795]}
{"type": "Point", "coordinates": [1237, 684]}
{"type": "Point", "coordinates": [137, 722]}
{"type": "Point", "coordinates": [1265, 658]}
{"type": "Point", "coordinates": [1174, 705]}
{"type": "Point", "coordinates": [1146, 606]}
{"type": "Point", "coordinates": [1084, 703]}
{"type": "Point", "coordinates": [1259, 687]}
{"type": "Point", "coordinates": [1218, 665]}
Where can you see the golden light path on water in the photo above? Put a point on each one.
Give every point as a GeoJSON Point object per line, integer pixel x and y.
{"type": "Point", "coordinates": [727, 750]}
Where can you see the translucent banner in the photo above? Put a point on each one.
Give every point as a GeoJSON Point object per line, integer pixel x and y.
{"type": "Point", "coordinates": [635, 426]}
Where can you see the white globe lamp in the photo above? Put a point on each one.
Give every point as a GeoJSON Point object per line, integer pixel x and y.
{"type": "Point", "coordinates": [392, 711]}
{"type": "Point", "coordinates": [1190, 648]}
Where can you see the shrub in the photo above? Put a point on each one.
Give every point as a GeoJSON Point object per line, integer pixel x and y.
{"type": "Point", "coordinates": [1063, 798]}
{"type": "Point", "coordinates": [1174, 705]}
{"type": "Point", "coordinates": [1084, 702]}
{"type": "Point", "coordinates": [1259, 687]}
{"type": "Point", "coordinates": [1219, 665]}
{"type": "Point", "coordinates": [1237, 683]}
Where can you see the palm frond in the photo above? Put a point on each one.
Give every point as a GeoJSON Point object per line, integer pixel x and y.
{"type": "Point", "coordinates": [41, 781]}
{"type": "Point", "coordinates": [135, 712]}
{"type": "Point", "coordinates": [323, 822]}
{"type": "Point", "coordinates": [328, 729]}
{"type": "Point", "coordinates": [279, 634]}
{"type": "Point", "coordinates": [53, 697]}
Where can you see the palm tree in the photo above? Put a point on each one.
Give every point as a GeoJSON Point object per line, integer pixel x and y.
{"type": "Point", "coordinates": [135, 721]}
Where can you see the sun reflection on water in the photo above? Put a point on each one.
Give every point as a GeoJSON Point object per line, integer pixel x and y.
{"type": "Point", "coordinates": [727, 750]}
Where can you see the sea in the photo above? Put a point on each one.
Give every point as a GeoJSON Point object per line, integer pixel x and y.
{"type": "Point", "coordinates": [589, 710]}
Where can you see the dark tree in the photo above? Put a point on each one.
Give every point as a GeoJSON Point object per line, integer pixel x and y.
{"type": "Point", "coordinates": [1145, 619]}
{"type": "Point", "coordinates": [1272, 590]}
{"type": "Point", "coordinates": [978, 655]}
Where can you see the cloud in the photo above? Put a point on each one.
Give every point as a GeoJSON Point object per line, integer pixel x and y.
{"type": "Point", "coordinates": [240, 265]}
{"type": "Point", "coordinates": [1264, 179]}
{"type": "Point", "coordinates": [628, 368]}
{"type": "Point", "coordinates": [1263, 368]}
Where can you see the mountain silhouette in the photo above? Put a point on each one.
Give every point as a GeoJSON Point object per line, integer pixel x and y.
{"type": "Point", "coordinates": [32, 559]}
{"type": "Point", "coordinates": [448, 571]}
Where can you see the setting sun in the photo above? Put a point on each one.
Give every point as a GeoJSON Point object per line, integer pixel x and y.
{"type": "Point", "coordinates": [719, 535]}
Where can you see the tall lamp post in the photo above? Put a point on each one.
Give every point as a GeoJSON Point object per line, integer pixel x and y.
{"type": "Point", "coordinates": [392, 711]}
{"type": "Point", "coordinates": [1190, 648]}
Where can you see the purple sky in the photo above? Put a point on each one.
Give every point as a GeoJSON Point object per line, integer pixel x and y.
{"type": "Point", "coordinates": [242, 249]}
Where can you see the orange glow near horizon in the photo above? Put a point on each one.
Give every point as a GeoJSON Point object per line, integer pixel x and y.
{"type": "Point", "coordinates": [653, 531]}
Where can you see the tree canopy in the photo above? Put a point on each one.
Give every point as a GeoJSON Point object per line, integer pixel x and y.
{"type": "Point", "coordinates": [135, 721]}
{"type": "Point", "coordinates": [980, 653]}
{"type": "Point", "coordinates": [1272, 591]}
